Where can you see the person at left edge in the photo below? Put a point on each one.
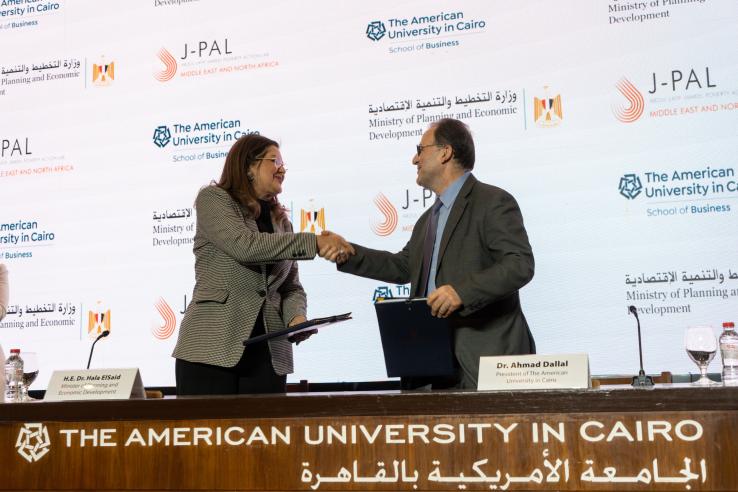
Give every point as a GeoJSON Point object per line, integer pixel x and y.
{"type": "Point", "coordinates": [3, 311]}
{"type": "Point", "coordinates": [246, 278]}
{"type": "Point", "coordinates": [3, 291]}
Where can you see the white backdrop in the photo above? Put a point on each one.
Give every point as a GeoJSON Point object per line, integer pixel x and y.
{"type": "Point", "coordinates": [613, 123]}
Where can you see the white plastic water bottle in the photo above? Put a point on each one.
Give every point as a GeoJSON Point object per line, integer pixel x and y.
{"type": "Point", "coordinates": [13, 376]}
{"type": "Point", "coordinates": [729, 353]}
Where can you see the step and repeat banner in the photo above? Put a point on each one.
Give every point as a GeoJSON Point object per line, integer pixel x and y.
{"type": "Point", "coordinates": [614, 123]}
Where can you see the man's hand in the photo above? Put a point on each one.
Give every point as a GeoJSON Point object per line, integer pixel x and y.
{"type": "Point", "coordinates": [333, 247]}
{"type": "Point", "coordinates": [300, 337]}
{"type": "Point", "coordinates": [444, 301]}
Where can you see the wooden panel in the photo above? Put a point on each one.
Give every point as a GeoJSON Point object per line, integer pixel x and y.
{"type": "Point", "coordinates": [678, 397]}
{"type": "Point", "coordinates": [649, 449]}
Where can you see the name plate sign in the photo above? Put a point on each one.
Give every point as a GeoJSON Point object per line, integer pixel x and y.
{"type": "Point", "coordinates": [95, 384]}
{"type": "Point", "coordinates": [515, 372]}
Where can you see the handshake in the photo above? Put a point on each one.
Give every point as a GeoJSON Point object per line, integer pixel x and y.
{"type": "Point", "coordinates": [334, 248]}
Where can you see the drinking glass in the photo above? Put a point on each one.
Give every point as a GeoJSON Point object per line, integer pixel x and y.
{"type": "Point", "coordinates": [701, 346]}
{"type": "Point", "coordinates": [30, 371]}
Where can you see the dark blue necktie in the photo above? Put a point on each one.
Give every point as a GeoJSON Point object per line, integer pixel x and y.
{"type": "Point", "coordinates": [430, 241]}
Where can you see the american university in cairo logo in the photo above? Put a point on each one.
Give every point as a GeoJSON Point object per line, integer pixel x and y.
{"type": "Point", "coordinates": [98, 320]}
{"type": "Point", "coordinates": [164, 331]}
{"type": "Point", "coordinates": [162, 136]}
{"type": "Point", "coordinates": [547, 110]}
{"type": "Point", "coordinates": [389, 214]}
{"type": "Point", "coordinates": [170, 66]}
{"type": "Point", "coordinates": [635, 106]}
{"type": "Point", "coordinates": [630, 186]}
{"type": "Point", "coordinates": [375, 30]}
{"type": "Point", "coordinates": [33, 442]}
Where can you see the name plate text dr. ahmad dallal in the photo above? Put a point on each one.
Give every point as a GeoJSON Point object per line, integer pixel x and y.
{"type": "Point", "coordinates": [514, 372]}
{"type": "Point", "coordinates": [95, 384]}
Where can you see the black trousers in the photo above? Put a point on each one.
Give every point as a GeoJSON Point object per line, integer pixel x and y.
{"type": "Point", "coordinates": [252, 374]}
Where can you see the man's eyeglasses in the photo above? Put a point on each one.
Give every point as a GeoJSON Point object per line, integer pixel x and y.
{"type": "Point", "coordinates": [276, 160]}
{"type": "Point", "coordinates": [420, 148]}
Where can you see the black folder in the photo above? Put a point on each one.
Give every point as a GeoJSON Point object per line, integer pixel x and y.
{"type": "Point", "coordinates": [415, 343]}
{"type": "Point", "coordinates": [312, 324]}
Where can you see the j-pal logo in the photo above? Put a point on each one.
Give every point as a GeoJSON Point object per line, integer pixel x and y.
{"type": "Point", "coordinates": [375, 30]}
{"type": "Point", "coordinates": [15, 147]}
{"type": "Point", "coordinates": [162, 136]}
{"type": "Point", "coordinates": [165, 327]}
{"type": "Point", "coordinates": [33, 442]}
{"type": "Point", "coordinates": [103, 74]}
{"type": "Point", "coordinates": [678, 80]}
{"type": "Point", "coordinates": [630, 186]}
{"type": "Point", "coordinates": [98, 320]}
{"type": "Point", "coordinates": [389, 213]}
{"type": "Point", "coordinates": [312, 219]}
{"type": "Point", "coordinates": [170, 66]}
{"type": "Point", "coordinates": [206, 49]}
{"type": "Point", "coordinates": [630, 112]}
{"type": "Point", "coordinates": [547, 110]}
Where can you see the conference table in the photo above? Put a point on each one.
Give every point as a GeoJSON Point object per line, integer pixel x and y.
{"type": "Point", "coordinates": [614, 438]}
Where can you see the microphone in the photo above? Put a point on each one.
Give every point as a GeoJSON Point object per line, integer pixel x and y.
{"type": "Point", "coordinates": [101, 335]}
{"type": "Point", "coordinates": [640, 381]}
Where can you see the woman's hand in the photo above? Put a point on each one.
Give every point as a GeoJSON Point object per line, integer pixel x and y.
{"type": "Point", "coordinates": [302, 336]}
{"type": "Point", "coordinates": [331, 246]}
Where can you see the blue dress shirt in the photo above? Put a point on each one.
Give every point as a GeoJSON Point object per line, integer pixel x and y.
{"type": "Point", "coordinates": [448, 197]}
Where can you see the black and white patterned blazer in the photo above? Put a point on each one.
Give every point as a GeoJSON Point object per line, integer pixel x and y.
{"type": "Point", "coordinates": [232, 286]}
